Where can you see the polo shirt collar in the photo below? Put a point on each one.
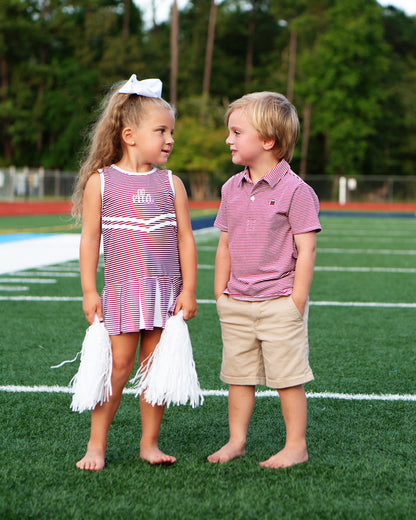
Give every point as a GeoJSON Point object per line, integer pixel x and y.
{"type": "Point", "coordinates": [272, 178]}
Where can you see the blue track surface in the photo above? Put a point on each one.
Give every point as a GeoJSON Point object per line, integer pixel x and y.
{"type": "Point", "coordinates": [15, 237]}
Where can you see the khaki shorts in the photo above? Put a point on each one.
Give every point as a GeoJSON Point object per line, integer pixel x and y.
{"type": "Point", "coordinates": [264, 343]}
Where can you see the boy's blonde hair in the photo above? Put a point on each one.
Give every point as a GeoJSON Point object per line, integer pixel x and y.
{"type": "Point", "coordinates": [105, 145]}
{"type": "Point", "coordinates": [274, 117]}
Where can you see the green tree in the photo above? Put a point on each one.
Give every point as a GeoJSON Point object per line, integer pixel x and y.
{"type": "Point", "coordinates": [393, 146]}
{"type": "Point", "coordinates": [200, 155]}
{"type": "Point", "coordinates": [343, 81]}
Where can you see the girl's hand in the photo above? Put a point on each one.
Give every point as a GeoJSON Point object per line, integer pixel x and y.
{"type": "Point", "coordinates": [91, 305]}
{"type": "Point", "coordinates": [187, 303]}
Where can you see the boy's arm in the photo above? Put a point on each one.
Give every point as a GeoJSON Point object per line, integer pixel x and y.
{"type": "Point", "coordinates": [90, 248]}
{"type": "Point", "coordinates": [187, 253]}
{"type": "Point", "coordinates": [222, 265]}
{"type": "Point", "coordinates": [306, 246]}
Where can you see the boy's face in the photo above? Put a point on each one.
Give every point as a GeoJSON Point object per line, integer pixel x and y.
{"type": "Point", "coordinates": [245, 143]}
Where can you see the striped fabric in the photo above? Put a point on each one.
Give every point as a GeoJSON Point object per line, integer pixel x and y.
{"type": "Point", "coordinates": [142, 271]}
{"type": "Point", "coordinates": [261, 221]}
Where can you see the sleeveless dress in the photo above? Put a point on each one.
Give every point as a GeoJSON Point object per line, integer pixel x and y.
{"type": "Point", "coordinates": [141, 260]}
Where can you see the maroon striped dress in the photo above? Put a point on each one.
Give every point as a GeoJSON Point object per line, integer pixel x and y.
{"type": "Point", "coordinates": [141, 259]}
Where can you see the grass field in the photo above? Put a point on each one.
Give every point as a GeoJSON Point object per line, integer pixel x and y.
{"type": "Point", "coordinates": [362, 409]}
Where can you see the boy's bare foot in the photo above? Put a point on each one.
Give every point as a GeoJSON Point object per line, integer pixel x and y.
{"type": "Point", "coordinates": [286, 458]}
{"type": "Point", "coordinates": [228, 452]}
{"type": "Point", "coordinates": [154, 455]}
{"type": "Point", "coordinates": [93, 460]}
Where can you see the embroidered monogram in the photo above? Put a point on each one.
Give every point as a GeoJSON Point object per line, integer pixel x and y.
{"type": "Point", "coordinates": [142, 197]}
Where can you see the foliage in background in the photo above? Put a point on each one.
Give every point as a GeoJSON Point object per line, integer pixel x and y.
{"type": "Point", "coordinates": [355, 70]}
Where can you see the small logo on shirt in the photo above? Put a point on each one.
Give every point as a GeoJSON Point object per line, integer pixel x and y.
{"type": "Point", "coordinates": [141, 197]}
{"type": "Point", "coordinates": [272, 202]}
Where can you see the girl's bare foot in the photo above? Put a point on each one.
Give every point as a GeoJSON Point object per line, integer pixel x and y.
{"type": "Point", "coordinates": [93, 460]}
{"type": "Point", "coordinates": [154, 455]}
{"type": "Point", "coordinates": [228, 452]}
{"type": "Point", "coordinates": [286, 458]}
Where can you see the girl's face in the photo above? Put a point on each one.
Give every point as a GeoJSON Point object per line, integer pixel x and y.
{"type": "Point", "coordinates": [154, 137]}
{"type": "Point", "coordinates": [245, 143]}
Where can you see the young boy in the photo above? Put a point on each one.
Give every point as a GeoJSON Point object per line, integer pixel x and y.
{"type": "Point", "coordinates": [264, 264]}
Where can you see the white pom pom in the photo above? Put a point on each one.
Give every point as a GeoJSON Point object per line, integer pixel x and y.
{"type": "Point", "coordinates": [92, 382]}
{"type": "Point", "coordinates": [168, 375]}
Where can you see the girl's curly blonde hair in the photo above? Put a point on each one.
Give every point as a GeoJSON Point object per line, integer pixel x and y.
{"type": "Point", "coordinates": [104, 145]}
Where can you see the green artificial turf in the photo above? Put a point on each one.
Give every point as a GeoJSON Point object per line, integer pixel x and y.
{"type": "Point", "coordinates": [361, 449]}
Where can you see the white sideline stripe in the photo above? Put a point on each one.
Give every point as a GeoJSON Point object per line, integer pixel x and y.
{"type": "Point", "coordinates": [55, 274]}
{"type": "Point", "coordinates": [352, 233]}
{"type": "Point", "coordinates": [345, 251]}
{"type": "Point", "coordinates": [367, 251]}
{"type": "Point", "coordinates": [13, 288]}
{"type": "Point", "coordinates": [68, 268]}
{"type": "Point", "coordinates": [27, 280]}
{"type": "Point", "coordinates": [210, 302]}
{"type": "Point", "coordinates": [343, 304]}
{"type": "Point", "coordinates": [224, 393]}
{"type": "Point", "coordinates": [401, 270]}
{"type": "Point", "coordinates": [41, 298]}
{"type": "Point", "coordinates": [364, 304]}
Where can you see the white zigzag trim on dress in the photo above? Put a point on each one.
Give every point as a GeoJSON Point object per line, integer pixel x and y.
{"type": "Point", "coordinates": [134, 223]}
{"type": "Point", "coordinates": [138, 228]}
{"type": "Point", "coordinates": [140, 220]}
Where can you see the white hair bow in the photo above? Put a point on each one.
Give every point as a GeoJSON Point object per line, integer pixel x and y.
{"type": "Point", "coordinates": [146, 87]}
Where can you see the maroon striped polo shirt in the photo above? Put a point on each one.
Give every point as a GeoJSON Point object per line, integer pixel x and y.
{"type": "Point", "coordinates": [261, 220]}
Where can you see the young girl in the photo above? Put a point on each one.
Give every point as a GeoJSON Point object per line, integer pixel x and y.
{"type": "Point", "coordinates": [149, 248]}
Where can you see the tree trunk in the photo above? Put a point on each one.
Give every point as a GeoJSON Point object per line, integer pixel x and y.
{"type": "Point", "coordinates": [198, 182]}
{"type": "Point", "coordinates": [249, 55]}
{"type": "Point", "coordinates": [4, 68]}
{"type": "Point", "coordinates": [292, 65]}
{"type": "Point", "coordinates": [210, 49]}
{"type": "Point", "coordinates": [126, 18]}
{"type": "Point", "coordinates": [153, 14]}
{"type": "Point", "coordinates": [305, 140]}
{"type": "Point", "coordinates": [174, 29]}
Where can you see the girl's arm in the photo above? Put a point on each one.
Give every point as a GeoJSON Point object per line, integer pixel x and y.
{"type": "Point", "coordinates": [306, 246]}
{"type": "Point", "coordinates": [222, 265]}
{"type": "Point", "coordinates": [187, 253]}
{"type": "Point", "coordinates": [90, 248]}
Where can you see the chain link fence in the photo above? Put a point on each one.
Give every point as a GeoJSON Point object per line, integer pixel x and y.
{"type": "Point", "coordinates": [364, 188]}
{"type": "Point", "coordinates": [29, 183]}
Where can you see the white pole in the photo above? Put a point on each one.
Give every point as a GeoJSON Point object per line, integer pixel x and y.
{"type": "Point", "coordinates": [342, 190]}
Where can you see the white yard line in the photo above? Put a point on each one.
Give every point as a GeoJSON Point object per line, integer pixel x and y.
{"type": "Point", "coordinates": [211, 302]}
{"type": "Point", "coordinates": [366, 251]}
{"type": "Point", "coordinates": [13, 288]}
{"type": "Point", "coordinates": [28, 280]}
{"type": "Point", "coordinates": [401, 270]}
{"type": "Point", "coordinates": [224, 393]}
{"type": "Point", "coordinates": [341, 304]}
{"type": "Point", "coordinates": [55, 274]}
